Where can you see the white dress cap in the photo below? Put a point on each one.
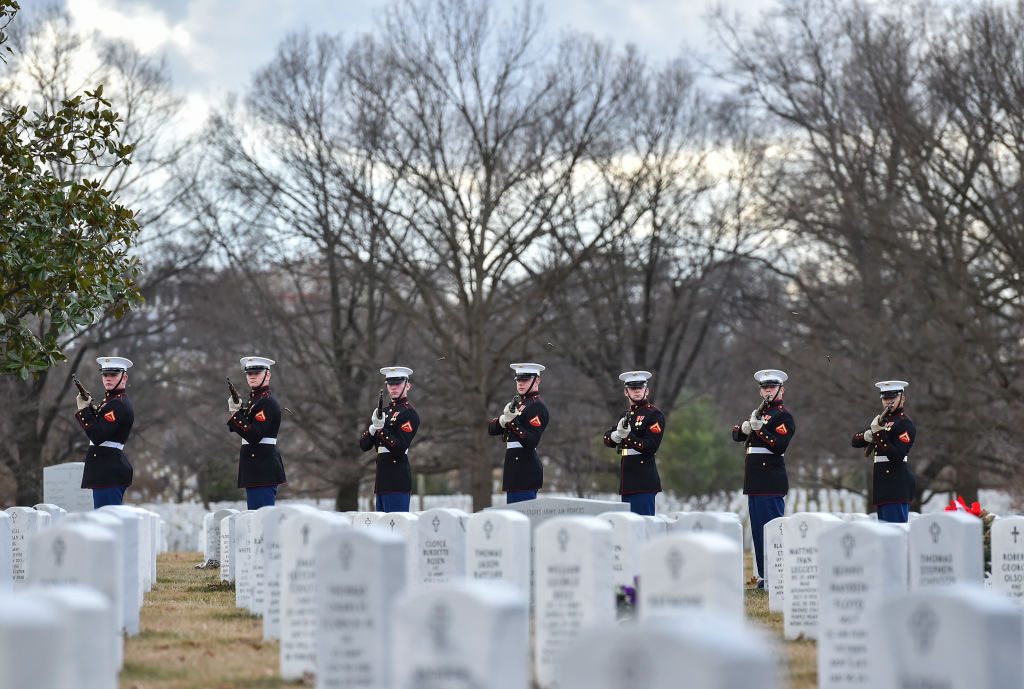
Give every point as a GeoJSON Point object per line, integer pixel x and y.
{"type": "Point", "coordinates": [891, 385]}
{"type": "Point", "coordinates": [390, 372]}
{"type": "Point", "coordinates": [770, 375]}
{"type": "Point", "coordinates": [628, 377]}
{"type": "Point", "coordinates": [114, 363]}
{"type": "Point", "coordinates": [250, 363]}
{"type": "Point", "coordinates": [527, 369]}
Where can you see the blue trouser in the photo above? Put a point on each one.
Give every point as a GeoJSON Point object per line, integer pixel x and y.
{"type": "Point", "coordinates": [519, 495]}
{"type": "Point", "coordinates": [114, 495]}
{"type": "Point", "coordinates": [264, 496]}
{"type": "Point", "coordinates": [894, 512]}
{"type": "Point", "coordinates": [393, 502]}
{"type": "Point", "coordinates": [640, 503]}
{"type": "Point", "coordinates": [763, 509]}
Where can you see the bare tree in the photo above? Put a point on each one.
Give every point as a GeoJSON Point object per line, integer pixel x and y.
{"type": "Point", "coordinates": [49, 68]}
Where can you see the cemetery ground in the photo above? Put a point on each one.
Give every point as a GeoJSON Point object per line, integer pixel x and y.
{"type": "Point", "coordinates": [193, 637]}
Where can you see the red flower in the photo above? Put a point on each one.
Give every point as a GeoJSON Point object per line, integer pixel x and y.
{"type": "Point", "coordinates": [960, 505]}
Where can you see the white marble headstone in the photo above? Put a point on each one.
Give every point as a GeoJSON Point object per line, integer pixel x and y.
{"type": "Point", "coordinates": [299, 537]}
{"type": "Point", "coordinates": [6, 571]}
{"type": "Point", "coordinates": [272, 550]}
{"type": "Point", "coordinates": [25, 524]}
{"type": "Point", "coordinates": [442, 545]}
{"type": "Point", "coordinates": [498, 548]}
{"type": "Point", "coordinates": [227, 546]}
{"type": "Point", "coordinates": [130, 591]}
{"type": "Point", "coordinates": [33, 632]}
{"type": "Point", "coordinates": [800, 538]}
{"type": "Point", "coordinates": [687, 572]}
{"type": "Point", "coordinates": [93, 657]}
{"type": "Point", "coordinates": [629, 534]}
{"type": "Point", "coordinates": [946, 549]}
{"type": "Point", "coordinates": [62, 485]}
{"type": "Point", "coordinates": [860, 565]}
{"type": "Point", "coordinates": [469, 633]}
{"type": "Point", "coordinates": [359, 572]}
{"type": "Point", "coordinates": [700, 651]}
{"type": "Point", "coordinates": [55, 511]}
{"type": "Point", "coordinates": [1007, 556]}
{"type": "Point", "coordinates": [574, 587]}
{"type": "Point", "coordinates": [241, 558]}
{"type": "Point", "coordinates": [950, 637]}
{"type": "Point", "coordinates": [774, 564]}
{"type": "Point", "coordinates": [406, 525]}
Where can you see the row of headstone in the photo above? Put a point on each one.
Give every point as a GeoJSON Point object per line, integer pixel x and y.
{"type": "Point", "coordinates": [77, 572]}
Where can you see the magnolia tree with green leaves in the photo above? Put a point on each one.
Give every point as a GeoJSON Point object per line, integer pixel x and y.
{"type": "Point", "coordinates": [64, 262]}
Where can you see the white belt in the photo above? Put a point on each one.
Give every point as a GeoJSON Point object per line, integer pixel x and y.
{"type": "Point", "coordinates": [760, 451]}
{"type": "Point", "coordinates": [110, 443]}
{"type": "Point", "coordinates": [883, 458]}
{"type": "Point", "coordinates": [263, 441]}
{"type": "Point", "coordinates": [383, 450]}
{"type": "Point", "coordinates": [631, 451]}
{"type": "Point", "coordinates": [512, 444]}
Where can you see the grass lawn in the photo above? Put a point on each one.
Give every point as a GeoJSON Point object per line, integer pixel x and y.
{"type": "Point", "coordinates": [193, 637]}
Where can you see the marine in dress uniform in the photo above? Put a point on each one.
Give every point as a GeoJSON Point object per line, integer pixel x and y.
{"type": "Point", "coordinates": [891, 436]}
{"type": "Point", "coordinates": [767, 434]}
{"type": "Point", "coordinates": [391, 432]}
{"type": "Point", "coordinates": [636, 438]}
{"type": "Point", "coordinates": [521, 425]}
{"type": "Point", "coordinates": [108, 425]}
{"type": "Point", "coordinates": [258, 420]}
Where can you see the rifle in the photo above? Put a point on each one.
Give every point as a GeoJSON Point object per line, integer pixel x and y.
{"type": "Point", "coordinates": [235, 397]}
{"type": "Point", "coordinates": [84, 393]}
{"type": "Point", "coordinates": [765, 403]}
{"type": "Point", "coordinates": [380, 404]}
{"type": "Point", "coordinates": [882, 418]}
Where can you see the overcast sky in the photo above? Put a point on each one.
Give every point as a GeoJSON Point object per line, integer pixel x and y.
{"type": "Point", "coordinates": [213, 46]}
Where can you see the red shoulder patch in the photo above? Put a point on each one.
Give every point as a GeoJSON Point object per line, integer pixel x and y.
{"type": "Point", "coordinates": [535, 422]}
{"type": "Point", "coordinates": [655, 427]}
{"type": "Point", "coordinates": [407, 426]}
{"type": "Point", "coordinates": [905, 437]}
{"type": "Point", "coordinates": [110, 416]}
{"type": "Point", "coordinates": [781, 429]}
{"type": "Point", "coordinates": [260, 416]}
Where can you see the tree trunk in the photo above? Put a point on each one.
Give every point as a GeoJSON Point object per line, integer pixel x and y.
{"type": "Point", "coordinates": [480, 472]}
{"type": "Point", "coordinates": [347, 496]}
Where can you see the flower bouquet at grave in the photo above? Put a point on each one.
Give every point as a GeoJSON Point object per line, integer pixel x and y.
{"type": "Point", "coordinates": [625, 599]}
{"type": "Point", "coordinates": [986, 517]}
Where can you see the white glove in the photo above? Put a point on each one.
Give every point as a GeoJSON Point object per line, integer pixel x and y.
{"type": "Point", "coordinates": [755, 421]}
{"type": "Point", "coordinates": [376, 421]}
{"type": "Point", "coordinates": [82, 402]}
{"type": "Point", "coordinates": [507, 414]}
{"type": "Point", "coordinates": [623, 427]}
{"type": "Point", "coordinates": [869, 435]}
{"type": "Point", "coordinates": [876, 424]}
{"type": "Point", "coordinates": [234, 406]}
{"type": "Point", "coordinates": [745, 427]}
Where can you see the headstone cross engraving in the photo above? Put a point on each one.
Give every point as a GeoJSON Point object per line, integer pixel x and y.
{"type": "Point", "coordinates": [848, 543]}
{"type": "Point", "coordinates": [935, 531]}
{"type": "Point", "coordinates": [923, 625]}
{"type": "Point", "coordinates": [59, 548]}
{"type": "Point", "coordinates": [563, 540]}
{"type": "Point", "coordinates": [346, 555]}
{"type": "Point", "coordinates": [440, 624]}
{"type": "Point", "coordinates": [675, 563]}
